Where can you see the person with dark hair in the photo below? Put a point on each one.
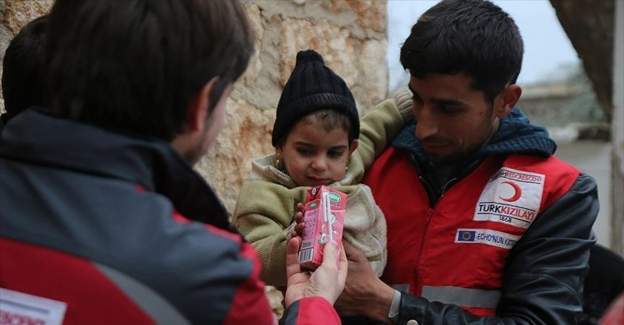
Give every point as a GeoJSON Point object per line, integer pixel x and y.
{"type": "Point", "coordinates": [23, 82]}
{"type": "Point", "coordinates": [485, 224]}
{"type": "Point", "coordinates": [102, 219]}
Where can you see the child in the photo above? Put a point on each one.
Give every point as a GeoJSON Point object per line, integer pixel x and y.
{"type": "Point", "coordinates": [315, 136]}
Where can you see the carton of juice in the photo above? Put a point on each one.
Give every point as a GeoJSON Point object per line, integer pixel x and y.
{"type": "Point", "coordinates": [323, 217]}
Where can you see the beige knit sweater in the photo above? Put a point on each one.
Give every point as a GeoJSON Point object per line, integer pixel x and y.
{"type": "Point", "coordinates": [267, 200]}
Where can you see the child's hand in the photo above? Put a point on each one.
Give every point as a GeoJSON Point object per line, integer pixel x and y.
{"type": "Point", "coordinates": [299, 224]}
{"type": "Point", "coordinates": [296, 227]}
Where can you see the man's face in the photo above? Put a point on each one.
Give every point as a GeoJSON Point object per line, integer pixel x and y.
{"type": "Point", "coordinates": [452, 118]}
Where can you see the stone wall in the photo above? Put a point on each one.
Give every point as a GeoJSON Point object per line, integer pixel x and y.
{"type": "Point", "coordinates": [350, 34]}
{"type": "Point", "coordinates": [13, 15]}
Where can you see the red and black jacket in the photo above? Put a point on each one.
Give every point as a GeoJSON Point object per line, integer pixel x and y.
{"type": "Point", "coordinates": [465, 252]}
{"type": "Point", "coordinates": [122, 231]}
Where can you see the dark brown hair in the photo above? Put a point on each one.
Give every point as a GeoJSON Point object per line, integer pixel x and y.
{"type": "Point", "coordinates": [474, 37]}
{"type": "Point", "coordinates": [136, 65]}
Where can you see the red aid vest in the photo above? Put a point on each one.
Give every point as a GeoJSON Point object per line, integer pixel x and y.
{"type": "Point", "coordinates": [455, 251]}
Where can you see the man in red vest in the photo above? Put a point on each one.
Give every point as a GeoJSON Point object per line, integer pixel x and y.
{"type": "Point", "coordinates": [102, 218]}
{"type": "Point", "coordinates": [485, 225]}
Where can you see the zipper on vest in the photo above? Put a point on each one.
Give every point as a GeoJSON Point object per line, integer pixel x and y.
{"type": "Point", "coordinates": [446, 186]}
{"type": "Point", "coordinates": [430, 212]}
{"type": "Point", "coordinates": [435, 193]}
{"type": "Point", "coordinates": [429, 189]}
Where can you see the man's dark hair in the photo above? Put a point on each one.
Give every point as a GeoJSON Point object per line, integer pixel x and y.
{"type": "Point", "coordinates": [23, 83]}
{"type": "Point", "coordinates": [474, 37]}
{"type": "Point", "coordinates": [135, 65]}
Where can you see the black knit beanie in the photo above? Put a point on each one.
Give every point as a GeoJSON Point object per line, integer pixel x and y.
{"type": "Point", "coordinates": [312, 87]}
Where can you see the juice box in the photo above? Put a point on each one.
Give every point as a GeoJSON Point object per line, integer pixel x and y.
{"type": "Point", "coordinates": [323, 217]}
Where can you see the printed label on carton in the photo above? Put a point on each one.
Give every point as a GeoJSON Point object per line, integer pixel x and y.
{"type": "Point", "coordinates": [323, 222]}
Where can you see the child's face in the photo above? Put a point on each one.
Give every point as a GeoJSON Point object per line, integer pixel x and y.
{"type": "Point", "coordinates": [313, 156]}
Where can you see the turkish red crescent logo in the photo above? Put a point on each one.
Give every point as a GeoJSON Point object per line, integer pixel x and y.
{"type": "Point", "coordinates": [516, 195]}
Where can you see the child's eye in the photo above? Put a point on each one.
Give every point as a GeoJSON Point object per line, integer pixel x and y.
{"type": "Point", "coordinates": [335, 153]}
{"type": "Point", "coordinates": [304, 151]}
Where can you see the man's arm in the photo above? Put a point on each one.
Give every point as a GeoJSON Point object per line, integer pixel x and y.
{"type": "Point", "coordinates": [310, 311]}
{"type": "Point", "coordinates": [309, 297]}
{"type": "Point", "coordinates": [543, 278]}
{"type": "Point", "coordinates": [364, 293]}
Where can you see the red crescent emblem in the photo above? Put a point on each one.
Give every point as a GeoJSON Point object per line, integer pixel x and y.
{"type": "Point", "coordinates": [516, 195]}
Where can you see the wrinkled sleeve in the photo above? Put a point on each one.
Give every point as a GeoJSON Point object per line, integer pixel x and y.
{"type": "Point", "coordinates": [543, 279]}
{"type": "Point", "coordinates": [377, 129]}
{"type": "Point", "coordinates": [262, 215]}
{"type": "Point", "coordinates": [250, 304]}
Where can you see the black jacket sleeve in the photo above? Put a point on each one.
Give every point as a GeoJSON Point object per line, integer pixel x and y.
{"type": "Point", "coordinates": [543, 278]}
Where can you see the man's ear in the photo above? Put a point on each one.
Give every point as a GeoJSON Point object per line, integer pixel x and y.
{"type": "Point", "coordinates": [354, 144]}
{"type": "Point", "coordinates": [193, 133]}
{"type": "Point", "coordinates": [507, 99]}
{"type": "Point", "coordinates": [199, 107]}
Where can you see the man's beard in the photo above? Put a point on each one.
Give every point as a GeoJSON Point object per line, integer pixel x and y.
{"type": "Point", "coordinates": [452, 159]}
{"type": "Point", "coordinates": [464, 155]}
{"type": "Point", "coordinates": [447, 160]}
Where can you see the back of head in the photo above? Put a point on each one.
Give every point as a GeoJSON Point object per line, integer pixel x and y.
{"type": "Point", "coordinates": [474, 37]}
{"type": "Point", "coordinates": [135, 66]}
{"type": "Point", "coordinates": [23, 83]}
